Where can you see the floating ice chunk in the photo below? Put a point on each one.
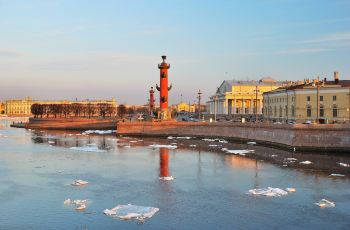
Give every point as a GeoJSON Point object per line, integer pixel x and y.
{"type": "Point", "coordinates": [336, 174]}
{"type": "Point", "coordinates": [291, 190]}
{"type": "Point", "coordinates": [251, 143]}
{"type": "Point", "coordinates": [273, 155]}
{"type": "Point", "coordinates": [91, 144]}
{"type": "Point", "coordinates": [127, 146]}
{"type": "Point", "coordinates": [325, 204]}
{"type": "Point", "coordinates": [193, 146]}
{"type": "Point", "coordinates": [210, 140]}
{"type": "Point", "coordinates": [166, 178]}
{"type": "Point", "coordinates": [127, 212]}
{"type": "Point", "coordinates": [133, 141]}
{"type": "Point", "coordinates": [79, 183]}
{"type": "Point", "coordinates": [223, 141]}
{"type": "Point", "coordinates": [79, 204]}
{"type": "Point", "coordinates": [187, 138]}
{"type": "Point", "coordinates": [164, 146]}
{"type": "Point", "coordinates": [98, 132]}
{"type": "Point", "coordinates": [344, 165]}
{"type": "Point", "coordinates": [270, 192]}
{"type": "Point", "coordinates": [174, 143]}
{"type": "Point", "coordinates": [240, 152]}
{"type": "Point", "coordinates": [305, 162]}
{"type": "Point", "coordinates": [224, 149]}
{"type": "Point", "coordinates": [212, 145]}
{"type": "Point", "coordinates": [92, 148]}
{"type": "Point", "coordinates": [291, 159]}
{"type": "Point", "coordinates": [51, 142]}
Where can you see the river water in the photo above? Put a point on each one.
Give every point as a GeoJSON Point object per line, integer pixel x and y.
{"type": "Point", "coordinates": [209, 190]}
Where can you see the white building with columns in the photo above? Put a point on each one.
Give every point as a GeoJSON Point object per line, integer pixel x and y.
{"type": "Point", "coordinates": [241, 97]}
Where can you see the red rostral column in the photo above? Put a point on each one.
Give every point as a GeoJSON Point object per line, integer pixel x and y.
{"type": "Point", "coordinates": [151, 100]}
{"type": "Point", "coordinates": [164, 89]}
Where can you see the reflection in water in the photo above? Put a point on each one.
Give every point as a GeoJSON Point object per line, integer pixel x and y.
{"type": "Point", "coordinates": [103, 142]}
{"type": "Point", "coordinates": [245, 163]}
{"type": "Point", "coordinates": [164, 163]}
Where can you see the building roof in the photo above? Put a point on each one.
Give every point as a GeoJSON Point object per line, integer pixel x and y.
{"type": "Point", "coordinates": [339, 84]}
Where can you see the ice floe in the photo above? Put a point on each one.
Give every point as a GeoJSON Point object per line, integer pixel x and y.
{"type": "Point", "coordinates": [291, 190]}
{"type": "Point", "coordinates": [325, 204]}
{"type": "Point", "coordinates": [223, 141]}
{"type": "Point", "coordinates": [90, 148]}
{"type": "Point", "coordinates": [80, 205]}
{"type": "Point", "coordinates": [210, 140]}
{"type": "Point", "coordinates": [241, 152]}
{"type": "Point", "coordinates": [213, 145]}
{"type": "Point", "coordinates": [166, 178]}
{"type": "Point", "coordinates": [336, 174]}
{"type": "Point", "coordinates": [163, 146]}
{"type": "Point", "coordinates": [344, 165]}
{"type": "Point", "coordinates": [127, 212]}
{"type": "Point", "coordinates": [305, 162]}
{"type": "Point", "coordinates": [193, 146]}
{"type": "Point", "coordinates": [269, 191]}
{"type": "Point", "coordinates": [98, 132]}
{"type": "Point", "coordinates": [79, 183]}
{"type": "Point", "coordinates": [51, 142]}
{"type": "Point", "coordinates": [251, 143]}
{"type": "Point", "coordinates": [186, 138]}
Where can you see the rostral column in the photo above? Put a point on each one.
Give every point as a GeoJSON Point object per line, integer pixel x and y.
{"type": "Point", "coordinates": [164, 113]}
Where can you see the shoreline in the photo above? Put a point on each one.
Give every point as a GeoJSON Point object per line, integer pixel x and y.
{"type": "Point", "coordinates": [304, 138]}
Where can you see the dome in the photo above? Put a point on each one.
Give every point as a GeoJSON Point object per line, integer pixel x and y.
{"type": "Point", "coordinates": [267, 80]}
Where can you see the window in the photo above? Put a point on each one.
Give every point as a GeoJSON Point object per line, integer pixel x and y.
{"type": "Point", "coordinates": [280, 111]}
{"type": "Point", "coordinates": [308, 98]}
{"type": "Point", "coordinates": [321, 111]}
{"type": "Point", "coordinates": [321, 98]}
{"type": "Point", "coordinates": [275, 111]}
{"type": "Point", "coordinates": [334, 98]}
{"type": "Point", "coordinates": [308, 111]}
{"type": "Point", "coordinates": [293, 111]}
{"type": "Point", "coordinates": [335, 111]}
{"type": "Point", "coordinates": [286, 111]}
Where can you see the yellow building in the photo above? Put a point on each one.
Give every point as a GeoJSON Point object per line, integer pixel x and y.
{"type": "Point", "coordinates": [22, 107]}
{"type": "Point", "coordinates": [185, 107]}
{"type": "Point", "coordinates": [2, 108]}
{"type": "Point", "coordinates": [310, 101]}
{"type": "Point", "coordinates": [241, 97]}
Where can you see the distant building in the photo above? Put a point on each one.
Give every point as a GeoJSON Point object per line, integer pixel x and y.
{"type": "Point", "coordinates": [317, 100]}
{"type": "Point", "coordinates": [241, 97]}
{"type": "Point", "coordinates": [22, 107]}
{"type": "Point", "coordinates": [2, 108]}
{"type": "Point", "coordinates": [185, 107]}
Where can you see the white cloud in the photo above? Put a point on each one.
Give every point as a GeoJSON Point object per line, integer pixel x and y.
{"type": "Point", "coordinates": [10, 53]}
{"type": "Point", "coordinates": [303, 51]}
{"type": "Point", "coordinates": [335, 37]}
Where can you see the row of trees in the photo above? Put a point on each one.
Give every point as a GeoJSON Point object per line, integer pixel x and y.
{"type": "Point", "coordinates": [73, 110]}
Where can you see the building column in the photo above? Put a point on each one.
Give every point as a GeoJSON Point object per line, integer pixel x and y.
{"type": "Point", "coordinates": [251, 107]}
{"type": "Point", "coordinates": [243, 107]}
{"type": "Point", "coordinates": [234, 106]}
{"type": "Point", "coordinates": [226, 106]}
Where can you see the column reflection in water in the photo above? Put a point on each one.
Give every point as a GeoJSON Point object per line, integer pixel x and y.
{"type": "Point", "coordinates": [164, 164]}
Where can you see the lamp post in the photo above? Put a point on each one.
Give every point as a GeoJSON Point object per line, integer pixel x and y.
{"type": "Point", "coordinates": [199, 104]}
{"type": "Point", "coordinates": [215, 105]}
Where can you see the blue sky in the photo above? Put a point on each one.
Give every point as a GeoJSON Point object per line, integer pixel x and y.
{"type": "Point", "coordinates": [64, 49]}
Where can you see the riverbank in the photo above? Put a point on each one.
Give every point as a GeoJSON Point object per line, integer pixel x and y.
{"type": "Point", "coordinates": [78, 124]}
{"type": "Point", "coordinates": [299, 137]}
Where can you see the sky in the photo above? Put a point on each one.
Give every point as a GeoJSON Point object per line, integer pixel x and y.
{"type": "Point", "coordinates": [64, 49]}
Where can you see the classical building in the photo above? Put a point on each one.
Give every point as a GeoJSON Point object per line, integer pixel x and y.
{"type": "Point", "coordinates": [2, 108]}
{"type": "Point", "coordinates": [22, 107]}
{"type": "Point", "coordinates": [241, 97]}
{"type": "Point", "coordinates": [313, 101]}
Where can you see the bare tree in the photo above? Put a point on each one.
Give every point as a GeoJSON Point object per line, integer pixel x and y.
{"type": "Point", "coordinates": [121, 111]}
{"type": "Point", "coordinates": [76, 109]}
{"type": "Point", "coordinates": [66, 109]}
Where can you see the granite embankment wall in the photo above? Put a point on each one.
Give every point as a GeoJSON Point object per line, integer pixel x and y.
{"type": "Point", "coordinates": [302, 137]}
{"type": "Point", "coordinates": [71, 123]}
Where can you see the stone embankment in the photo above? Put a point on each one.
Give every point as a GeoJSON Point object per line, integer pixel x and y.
{"type": "Point", "coordinates": [72, 123]}
{"type": "Point", "coordinates": [299, 137]}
